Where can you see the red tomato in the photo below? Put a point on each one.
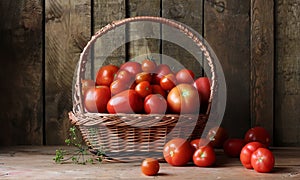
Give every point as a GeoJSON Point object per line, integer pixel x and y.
{"type": "Point", "coordinates": [127, 101]}
{"type": "Point", "coordinates": [149, 66]}
{"type": "Point", "coordinates": [196, 143]}
{"type": "Point", "coordinates": [143, 88]}
{"type": "Point", "coordinates": [185, 76]}
{"type": "Point", "coordinates": [143, 76]}
{"type": "Point", "coordinates": [157, 89]}
{"type": "Point", "coordinates": [183, 99]}
{"type": "Point", "coordinates": [95, 99]}
{"type": "Point", "coordinates": [150, 166]}
{"type": "Point", "coordinates": [178, 152]}
{"type": "Point", "coordinates": [86, 84]}
{"type": "Point", "coordinates": [124, 76]}
{"type": "Point", "coordinates": [217, 136]}
{"type": "Point", "coordinates": [106, 74]}
{"type": "Point", "coordinates": [262, 160]}
{"type": "Point", "coordinates": [168, 82]}
{"type": "Point", "coordinates": [259, 134]}
{"type": "Point", "coordinates": [155, 104]}
{"type": "Point", "coordinates": [202, 84]}
{"type": "Point", "coordinates": [161, 71]}
{"type": "Point", "coordinates": [118, 86]}
{"type": "Point", "coordinates": [247, 151]}
{"type": "Point", "coordinates": [204, 156]}
{"type": "Point", "coordinates": [233, 147]}
{"type": "Point", "coordinates": [132, 67]}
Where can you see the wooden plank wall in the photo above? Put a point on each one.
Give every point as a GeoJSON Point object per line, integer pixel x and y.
{"type": "Point", "coordinates": [255, 41]}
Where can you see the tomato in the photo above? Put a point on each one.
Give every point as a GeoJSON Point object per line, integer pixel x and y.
{"type": "Point", "coordinates": [150, 166]}
{"type": "Point", "coordinates": [143, 88]}
{"type": "Point", "coordinates": [217, 136]}
{"type": "Point", "coordinates": [155, 104]}
{"type": "Point", "coordinates": [124, 76]}
{"type": "Point", "coordinates": [185, 76]}
{"type": "Point", "coordinates": [132, 67]}
{"type": "Point", "coordinates": [157, 89]}
{"type": "Point", "coordinates": [204, 156]}
{"type": "Point", "coordinates": [196, 143]}
{"type": "Point", "coordinates": [86, 84]}
{"type": "Point", "coordinates": [259, 134]}
{"type": "Point", "coordinates": [202, 84]}
{"type": "Point", "coordinates": [106, 74]}
{"type": "Point", "coordinates": [161, 71]}
{"type": "Point", "coordinates": [178, 152]}
{"type": "Point", "coordinates": [127, 101]}
{"type": "Point", "coordinates": [149, 66]}
{"type": "Point", "coordinates": [95, 99]}
{"type": "Point", "coordinates": [143, 76]}
{"type": "Point", "coordinates": [183, 99]}
{"type": "Point", "coordinates": [118, 86]}
{"type": "Point", "coordinates": [233, 147]}
{"type": "Point", "coordinates": [168, 82]}
{"type": "Point", "coordinates": [262, 160]}
{"type": "Point", "coordinates": [247, 151]}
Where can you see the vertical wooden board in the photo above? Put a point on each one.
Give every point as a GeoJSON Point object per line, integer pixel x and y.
{"type": "Point", "coordinates": [21, 72]}
{"type": "Point", "coordinates": [287, 82]}
{"type": "Point", "coordinates": [67, 31]}
{"type": "Point", "coordinates": [189, 13]}
{"type": "Point", "coordinates": [228, 32]}
{"type": "Point", "coordinates": [140, 46]}
{"type": "Point", "coordinates": [262, 64]}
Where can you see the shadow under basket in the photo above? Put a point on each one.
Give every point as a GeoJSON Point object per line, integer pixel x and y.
{"type": "Point", "coordinates": [133, 137]}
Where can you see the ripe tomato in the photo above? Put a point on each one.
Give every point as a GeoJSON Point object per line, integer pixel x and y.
{"type": "Point", "coordinates": [132, 67]}
{"type": "Point", "coordinates": [143, 88]}
{"type": "Point", "coordinates": [127, 101]}
{"type": "Point", "coordinates": [155, 104]}
{"type": "Point", "coordinates": [202, 84]}
{"type": "Point", "coordinates": [247, 151]}
{"type": "Point", "coordinates": [185, 76]}
{"type": "Point", "coordinates": [118, 86]}
{"type": "Point", "coordinates": [150, 166]}
{"type": "Point", "coordinates": [168, 82]}
{"type": "Point", "coordinates": [217, 136]}
{"type": "Point", "coordinates": [143, 76]}
{"type": "Point", "coordinates": [259, 134]}
{"type": "Point", "coordinates": [196, 143]}
{"type": "Point", "coordinates": [204, 156]}
{"type": "Point", "coordinates": [178, 152]}
{"type": "Point", "coordinates": [106, 75]}
{"type": "Point", "coordinates": [86, 84]}
{"type": "Point", "coordinates": [262, 160]}
{"type": "Point", "coordinates": [161, 71]}
{"type": "Point", "coordinates": [183, 99]}
{"type": "Point", "coordinates": [233, 147]}
{"type": "Point", "coordinates": [124, 76]}
{"type": "Point", "coordinates": [157, 89]}
{"type": "Point", "coordinates": [95, 99]}
{"type": "Point", "coordinates": [149, 66]}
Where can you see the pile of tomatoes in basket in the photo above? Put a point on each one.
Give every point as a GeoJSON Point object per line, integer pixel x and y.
{"type": "Point", "coordinates": [145, 88]}
{"type": "Point", "coordinates": [253, 151]}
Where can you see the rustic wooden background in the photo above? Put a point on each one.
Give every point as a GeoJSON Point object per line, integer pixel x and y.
{"type": "Point", "coordinates": [256, 41]}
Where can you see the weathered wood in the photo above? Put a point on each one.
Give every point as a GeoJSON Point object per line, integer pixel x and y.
{"type": "Point", "coordinates": [287, 82]}
{"type": "Point", "coordinates": [21, 72]}
{"type": "Point", "coordinates": [67, 32]}
{"type": "Point", "coordinates": [262, 64]}
{"type": "Point", "coordinates": [228, 31]}
{"type": "Point", "coordinates": [190, 13]}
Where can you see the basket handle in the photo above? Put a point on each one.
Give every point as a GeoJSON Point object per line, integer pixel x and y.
{"type": "Point", "coordinates": [78, 102]}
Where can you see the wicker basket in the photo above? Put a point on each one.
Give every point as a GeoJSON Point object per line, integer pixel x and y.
{"type": "Point", "coordinates": [131, 137]}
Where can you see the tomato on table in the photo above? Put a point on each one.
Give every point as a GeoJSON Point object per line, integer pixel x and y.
{"type": "Point", "coordinates": [185, 76]}
{"type": "Point", "coordinates": [106, 74]}
{"type": "Point", "coordinates": [149, 66]}
{"type": "Point", "coordinates": [155, 104]}
{"type": "Point", "coordinates": [96, 98]}
{"type": "Point", "coordinates": [259, 134]}
{"type": "Point", "coordinates": [262, 160]}
{"type": "Point", "coordinates": [150, 166]}
{"type": "Point", "coordinates": [204, 156]}
{"type": "Point", "coordinates": [232, 147]}
{"type": "Point", "coordinates": [178, 152]}
{"type": "Point", "coordinates": [196, 143]}
{"type": "Point", "coordinates": [217, 136]}
{"type": "Point", "coordinates": [247, 151]}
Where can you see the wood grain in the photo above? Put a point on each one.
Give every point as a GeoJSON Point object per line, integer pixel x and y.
{"type": "Point", "coordinates": [287, 82]}
{"type": "Point", "coordinates": [21, 72]}
{"type": "Point", "coordinates": [67, 31]}
{"type": "Point", "coordinates": [228, 32]}
{"type": "Point", "coordinates": [262, 64]}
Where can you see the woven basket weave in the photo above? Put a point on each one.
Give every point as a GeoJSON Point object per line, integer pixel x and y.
{"type": "Point", "coordinates": [130, 137]}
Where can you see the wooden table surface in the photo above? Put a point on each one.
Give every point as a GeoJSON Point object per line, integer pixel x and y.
{"type": "Point", "coordinates": [31, 162]}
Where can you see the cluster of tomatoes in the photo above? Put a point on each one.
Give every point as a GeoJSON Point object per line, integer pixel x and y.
{"type": "Point", "coordinates": [252, 150]}
{"type": "Point", "coordinates": [145, 88]}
